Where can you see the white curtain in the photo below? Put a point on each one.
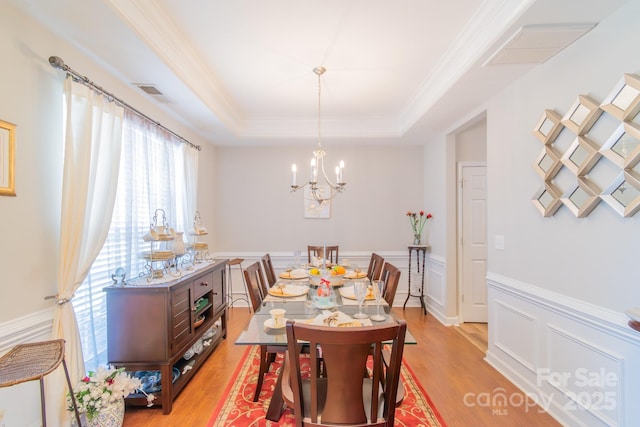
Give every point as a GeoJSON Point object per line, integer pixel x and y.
{"type": "Point", "coordinates": [190, 173]}
{"type": "Point", "coordinates": [93, 134]}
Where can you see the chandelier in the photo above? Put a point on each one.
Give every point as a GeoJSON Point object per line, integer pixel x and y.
{"type": "Point", "coordinates": [326, 190]}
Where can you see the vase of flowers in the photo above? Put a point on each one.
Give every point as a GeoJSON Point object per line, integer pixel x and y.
{"type": "Point", "coordinates": [417, 221]}
{"type": "Point", "coordinates": [100, 396]}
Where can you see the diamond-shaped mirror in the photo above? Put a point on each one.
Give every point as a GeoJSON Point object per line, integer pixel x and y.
{"type": "Point", "coordinates": [581, 156]}
{"type": "Point", "coordinates": [582, 115]}
{"type": "Point", "coordinates": [624, 101]}
{"type": "Point", "coordinates": [582, 198]}
{"type": "Point", "coordinates": [547, 164]}
{"type": "Point", "coordinates": [623, 146]}
{"type": "Point", "coordinates": [548, 127]}
{"type": "Point", "coordinates": [547, 200]}
{"type": "Point", "coordinates": [623, 195]}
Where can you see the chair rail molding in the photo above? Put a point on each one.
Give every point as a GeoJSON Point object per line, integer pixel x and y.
{"type": "Point", "coordinates": [29, 328]}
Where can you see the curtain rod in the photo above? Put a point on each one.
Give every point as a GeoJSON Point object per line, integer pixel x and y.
{"type": "Point", "coordinates": [57, 62]}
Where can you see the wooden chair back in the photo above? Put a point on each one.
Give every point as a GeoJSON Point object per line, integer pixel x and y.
{"type": "Point", "coordinates": [255, 281]}
{"type": "Point", "coordinates": [269, 271]}
{"type": "Point", "coordinates": [343, 395]}
{"type": "Point", "coordinates": [375, 266]}
{"type": "Point", "coordinates": [318, 252]}
{"type": "Point", "coordinates": [391, 276]}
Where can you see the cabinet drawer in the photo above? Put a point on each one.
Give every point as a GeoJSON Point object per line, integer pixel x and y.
{"type": "Point", "coordinates": [202, 285]}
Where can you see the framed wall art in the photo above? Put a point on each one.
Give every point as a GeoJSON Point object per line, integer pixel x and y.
{"type": "Point", "coordinates": [7, 159]}
{"type": "Point", "coordinates": [314, 209]}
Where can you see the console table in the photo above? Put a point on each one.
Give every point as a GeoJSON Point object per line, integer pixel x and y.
{"type": "Point", "coordinates": [419, 250]}
{"type": "Point", "coordinates": [152, 326]}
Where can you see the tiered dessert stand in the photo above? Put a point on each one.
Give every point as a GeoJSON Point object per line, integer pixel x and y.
{"type": "Point", "coordinates": [200, 250]}
{"type": "Point", "coordinates": [160, 258]}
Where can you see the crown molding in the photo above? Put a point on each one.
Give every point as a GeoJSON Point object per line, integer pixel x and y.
{"type": "Point", "coordinates": [487, 25]}
{"type": "Point", "coordinates": [159, 33]}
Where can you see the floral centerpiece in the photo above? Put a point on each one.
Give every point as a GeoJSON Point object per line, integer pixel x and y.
{"type": "Point", "coordinates": [417, 221]}
{"type": "Point", "coordinates": [104, 388]}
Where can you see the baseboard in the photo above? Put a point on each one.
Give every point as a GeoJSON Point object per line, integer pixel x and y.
{"type": "Point", "coordinates": [575, 358]}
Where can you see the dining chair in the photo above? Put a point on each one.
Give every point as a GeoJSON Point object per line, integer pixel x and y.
{"type": "Point", "coordinates": [344, 396]}
{"type": "Point", "coordinates": [255, 283]}
{"type": "Point", "coordinates": [375, 266]}
{"type": "Point", "coordinates": [318, 252]}
{"type": "Point", "coordinates": [269, 272]}
{"type": "Point", "coordinates": [253, 278]}
{"type": "Point", "coordinates": [391, 276]}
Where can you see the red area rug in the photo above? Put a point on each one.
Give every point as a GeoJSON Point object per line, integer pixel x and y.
{"type": "Point", "coordinates": [235, 408]}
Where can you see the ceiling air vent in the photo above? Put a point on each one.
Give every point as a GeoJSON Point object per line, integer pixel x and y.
{"type": "Point", "coordinates": [535, 44]}
{"type": "Point", "coordinates": [150, 89]}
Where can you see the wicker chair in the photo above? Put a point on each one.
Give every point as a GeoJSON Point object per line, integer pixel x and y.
{"type": "Point", "coordinates": [32, 361]}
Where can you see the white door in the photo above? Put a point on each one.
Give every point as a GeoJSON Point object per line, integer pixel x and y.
{"type": "Point", "coordinates": [473, 223]}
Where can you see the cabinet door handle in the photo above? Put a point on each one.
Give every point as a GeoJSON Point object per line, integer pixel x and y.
{"type": "Point", "coordinates": [204, 283]}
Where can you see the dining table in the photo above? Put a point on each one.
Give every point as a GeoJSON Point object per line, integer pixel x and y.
{"type": "Point", "coordinates": [298, 297]}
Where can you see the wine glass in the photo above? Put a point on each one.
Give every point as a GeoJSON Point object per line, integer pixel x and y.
{"type": "Point", "coordinates": [360, 291]}
{"type": "Point", "coordinates": [378, 289]}
{"type": "Point", "coordinates": [297, 253]}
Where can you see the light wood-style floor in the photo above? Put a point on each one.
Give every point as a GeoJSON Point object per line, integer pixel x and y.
{"type": "Point", "coordinates": [450, 368]}
{"type": "Point", "coordinates": [476, 333]}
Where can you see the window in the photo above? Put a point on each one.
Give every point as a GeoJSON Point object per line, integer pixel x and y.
{"type": "Point", "coordinates": [152, 176]}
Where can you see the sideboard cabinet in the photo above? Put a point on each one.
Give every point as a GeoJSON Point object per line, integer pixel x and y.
{"type": "Point", "coordinates": [153, 327]}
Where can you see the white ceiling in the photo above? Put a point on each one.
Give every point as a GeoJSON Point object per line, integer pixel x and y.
{"type": "Point", "coordinates": [241, 71]}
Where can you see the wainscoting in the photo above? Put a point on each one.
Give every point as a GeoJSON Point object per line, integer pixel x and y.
{"type": "Point", "coordinates": [580, 362]}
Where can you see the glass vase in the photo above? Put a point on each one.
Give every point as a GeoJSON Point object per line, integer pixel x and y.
{"type": "Point", "coordinates": [417, 239]}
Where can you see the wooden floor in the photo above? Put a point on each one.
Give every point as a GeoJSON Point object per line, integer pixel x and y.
{"type": "Point", "coordinates": [449, 367]}
{"type": "Point", "coordinates": [476, 333]}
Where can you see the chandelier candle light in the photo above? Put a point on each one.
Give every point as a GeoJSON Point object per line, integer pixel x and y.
{"type": "Point", "coordinates": [317, 164]}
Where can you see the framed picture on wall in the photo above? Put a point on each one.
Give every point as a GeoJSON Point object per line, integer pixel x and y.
{"type": "Point", "coordinates": [312, 208]}
{"type": "Point", "coordinates": [7, 158]}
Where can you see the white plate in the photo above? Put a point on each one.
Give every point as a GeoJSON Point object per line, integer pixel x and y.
{"type": "Point", "coordinates": [270, 325]}
{"type": "Point", "coordinates": [633, 313]}
{"type": "Point", "coordinates": [289, 291]}
{"type": "Point", "coordinates": [342, 319]}
{"type": "Point", "coordinates": [347, 292]}
{"type": "Point", "coordinates": [294, 274]}
{"type": "Point", "coordinates": [353, 275]}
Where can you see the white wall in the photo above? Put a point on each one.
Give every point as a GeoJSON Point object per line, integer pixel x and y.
{"type": "Point", "coordinates": [255, 211]}
{"type": "Point", "coordinates": [591, 259]}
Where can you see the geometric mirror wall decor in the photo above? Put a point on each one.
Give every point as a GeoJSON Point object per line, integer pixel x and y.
{"type": "Point", "coordinates": [608, 159]}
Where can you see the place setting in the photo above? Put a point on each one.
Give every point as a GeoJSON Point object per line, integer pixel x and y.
{"type": "Point", "coordinates": [362, 292]}
{"type": "Point", "coordinates": [287, 290]}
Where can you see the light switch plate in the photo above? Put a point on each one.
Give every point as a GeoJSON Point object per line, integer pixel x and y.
{"type": "Point", "coordinates": [499, 242]}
